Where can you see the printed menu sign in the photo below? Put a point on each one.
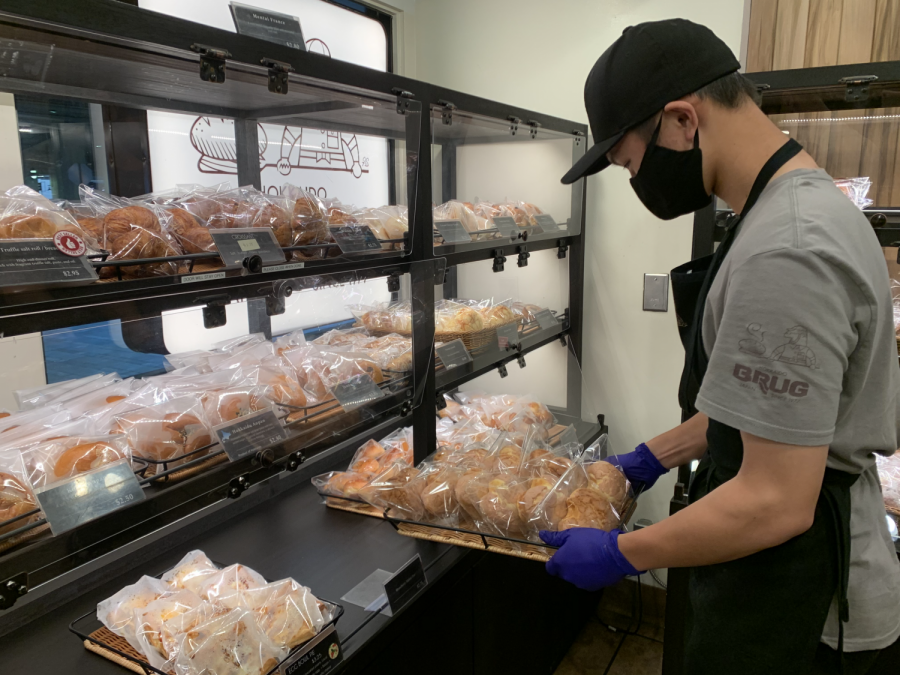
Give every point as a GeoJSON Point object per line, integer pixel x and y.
{"type": "Point", "coordinates": [453, 232]}
{"type": "Point", "coordinates": [39, 261]}
{"type": "Point", "coordinates": [236, 244]}
{"type": "Point", "coordinates": [453, 354]}
{"type": "Point", "coordinates": [282, 29]}
{"type": "Point", "coordinates": [546, 319]}
{"type": "Point", "coordinates": [405, 583]}
{"type": "Point", "coordinates": [507, 226]}
{"type": "Point", "coordinates": [88, 496]}
{"type": "Point", "coordinates": [250, 434]}
{"type": "Point", "coordinates": [355, 238]}
{"type": "Point", "coordinates": [546, 222]}
{"type": "Point", "coordinates": [357, 391]}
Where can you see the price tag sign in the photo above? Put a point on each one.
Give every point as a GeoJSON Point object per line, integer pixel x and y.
{"type": "Point", "coordinates": [405, 583]}
{"type": "Point", "coordinates": [37, 262]}
{"type": "Point", "coordinates": [546, 222]}
{"type": "Point", "coordinates": [236, 244]}
{"type": "Point", "coordinates": [250, 434]}
{"type": "Point", "coordinates": [355, 238]}
{"type": "Point", "coordinates": [282, 29]}
{"type": "Point", "coordinates": [357, 391]}
{"type": "Point", "coordinates": [508, 336]}
{"type": "Point", "coordinates": [453, 232]}
{"type": "Point", "coordinates": [546, 319]}
{"type": "Point", "coordinates": [453, 354]}
{"type": "Point", "coordinates": [507, 226]}
{"type": "Point", "coordinates": [319, 656]}
{"type": "Point", "coordinates": [87, 496]}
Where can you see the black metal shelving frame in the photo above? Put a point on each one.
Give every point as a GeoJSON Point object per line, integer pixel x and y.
{"type": "Point", "coordinates": [142, 40]}
{"type": "Point", "coordinates": [845, 87]}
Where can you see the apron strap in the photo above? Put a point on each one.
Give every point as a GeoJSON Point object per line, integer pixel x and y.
{"type": "Point", "coordinates": [696, 361]}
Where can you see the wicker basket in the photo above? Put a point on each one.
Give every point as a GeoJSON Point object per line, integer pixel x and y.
{"type": "Point", "coordinates": [468, 540]}
{"type": "Point", "coordinates": [353, 507]}
{"type": "Point", "coordinates": [106, 636]}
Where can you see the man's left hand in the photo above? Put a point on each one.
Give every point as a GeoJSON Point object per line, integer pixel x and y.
{"type": "Point", "coordinates": [587, 558]}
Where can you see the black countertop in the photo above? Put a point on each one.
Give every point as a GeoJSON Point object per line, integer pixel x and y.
{"type": "Point", "coordinates": [291, 535]}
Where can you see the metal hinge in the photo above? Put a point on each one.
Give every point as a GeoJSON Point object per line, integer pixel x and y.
{"type": "Point", "coordinates": [212, 62]}
{"type": "Point", "coordinates": [502, 370]}
{"type": "Point", "coordinates": [857, 87]}
{"type": "Point", "coordinates": [294, 461]}
{"type": "Point", "coordinates": [12, 589]}
{"type": "Point", "coordinates": [535, 125]}
{"type": "Point", "coordinates": [447, 112]}
{"type": "Point", "coordinates": [499, 260]}
{"type": "Point", "coordinates": [238, 486]}
{"type": "Point", "coordinates": [393, 282]}
{"type": "Point", "coordinates": [578, 136]}
{"type": "Point", "coordinates": [278, 75]}
{"type": "Point", "coordinates": [514, 123]}
{"type": "Point", "coordinates": [439, 401]}
{"type": "Point", "coordinates": [562, 249]}
{"type": "Point", "coordinates": [214, 312]}
{"type": "Point", "coordinates": [403, 99]}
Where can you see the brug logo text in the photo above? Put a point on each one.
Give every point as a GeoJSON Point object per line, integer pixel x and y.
{"type": "Point", "coordinates": [771, 384]}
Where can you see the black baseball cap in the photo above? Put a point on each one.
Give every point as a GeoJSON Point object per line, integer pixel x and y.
{"type": "Point", "coordinates": [648, 67]}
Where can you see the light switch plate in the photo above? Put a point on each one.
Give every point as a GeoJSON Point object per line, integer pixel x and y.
{"type": "Point", "coordinates": [656, 292]}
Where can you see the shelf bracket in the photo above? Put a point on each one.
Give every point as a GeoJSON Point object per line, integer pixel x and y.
{"type": "Point", "coordinates": [214, 311]}
{"type": "Point", "coordinates": [212, 62]}
{"type": "Point", "coordinates": [295, 460]}
{"type": "Point", "coordinates": [578, 136]}
{"type": "Point", "coordinates": [393, 282]}
{"type": "Point", "coordinates": [857, 87]}
{"type": "Point", "coordinates": [238, 486]}
{"type": "Point", "coordinates": [12, 589]}
{"type": "Point", "coordinates": [524, 255]}
{"type": "Point", "coordinates": [403, 99]}
{"type": "Point", "coordinates": [562, 249]}
{"type": "Point", "coordinates": [521, 361]}
{"type": "Point", "coordinates": [439, 401]}
{"type": "Point", "coordinates": [447, 112]}
{"type": "Point", "coordinates": [499, 260]}
{"type": "Point", "coordinates": [535, 126]}
{"type": "Point", "coordinates": [502, 370]}
{"type": "Point", "coordinates": [278, 75]}
{"type": "Point", "coordinates": [514, 123]}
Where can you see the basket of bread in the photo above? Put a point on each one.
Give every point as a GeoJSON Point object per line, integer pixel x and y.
{"type": "Point", "coordinates": [199, 618]}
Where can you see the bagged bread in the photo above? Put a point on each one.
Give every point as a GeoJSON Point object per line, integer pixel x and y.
{"type": "Point", "coordinates": [55, 460]}
{"type": "Point", "coordinates": [150, 622]}
{"type": "Point", "coordinates": [395, 489]}
{"type": "Point", "coordinates": [117, 612]}
{"type": "Point", "coordinates": [168, 431]}
{"type": "Point", "coordinates": [189, 571]}
{"type": "Point", "coordinates": [26, 214]}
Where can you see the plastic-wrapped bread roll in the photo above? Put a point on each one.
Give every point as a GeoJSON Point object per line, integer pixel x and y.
{"type": "Point", "coordinates": [499, 506]}
{"type": "Point", "coordinates": [16, 500]}
{"type": "Point", "coordinates": [608, 481]}
{"type": "Point", "coordinates": [341, 483]}
{"type": "Point", "coordinates": [187, 230]}
{"type": "Point", "coordinates": [25, 214]}
{"type": "Point", "coordinates": [117, 612]}
{"type": "Point", "coordinates": [394, 489]}
{"type": "Point", "coordinates": [452, 317]}
{"type": "Point", "coordinates": [286, 612]}
{"type": "Point", "coordinates": [588, 508]}
{"type": "Point", "coordinates": [149, 624]}
{"type": "Point", "coordinates": [189, 570]}
{"type": "Point", "coordinates": [496, 315]}
{"type": "Point", "coordinates": [457, 210]}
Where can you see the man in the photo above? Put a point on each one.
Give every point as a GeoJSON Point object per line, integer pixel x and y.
{"type": "Point", "coordinates": [791, 368]}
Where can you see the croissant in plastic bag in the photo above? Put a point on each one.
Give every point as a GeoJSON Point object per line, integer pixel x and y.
{"type": "Point", "coordinates": [231, 644]}
{"type": "Point", "coordinates": [394, 488]}
{"type": "Point", "coordinates": [26, 214]}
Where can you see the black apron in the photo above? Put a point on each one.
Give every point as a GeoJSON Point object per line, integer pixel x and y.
{"type": "Point", "coordinates": [763, 613]}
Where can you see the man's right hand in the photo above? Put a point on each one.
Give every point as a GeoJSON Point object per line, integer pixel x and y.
{"type": "Point", "coordinates": [641, 467]}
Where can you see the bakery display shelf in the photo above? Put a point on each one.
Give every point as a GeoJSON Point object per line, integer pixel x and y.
{"type": "Point", "coordinates": [469, 537]}
{"type": "Point", "coordinates": [460, 254]}
{"type": "Point", "coordinates": [531, 337]}
{"type": "Point", "coordinates": [98, 639]}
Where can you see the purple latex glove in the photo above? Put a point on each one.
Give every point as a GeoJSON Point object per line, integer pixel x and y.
{"type": "Point", "coordinates": [588, 558]}
{"type": "Point", "coordinates": [640, 467]}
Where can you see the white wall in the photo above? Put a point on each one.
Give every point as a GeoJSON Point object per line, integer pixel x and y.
{"type": "Point", "coordinates": [537, 55]}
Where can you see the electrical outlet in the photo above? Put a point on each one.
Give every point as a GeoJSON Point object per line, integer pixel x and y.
{"type": "Point", "coordinates": [656, 292]}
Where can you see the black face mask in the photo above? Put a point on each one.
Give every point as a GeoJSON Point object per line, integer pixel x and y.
{"type": "Point", "coordinates": [670, 182]}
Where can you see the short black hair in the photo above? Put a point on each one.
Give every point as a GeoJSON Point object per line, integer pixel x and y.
{"type": "Point", "coordinates": [730, 91]}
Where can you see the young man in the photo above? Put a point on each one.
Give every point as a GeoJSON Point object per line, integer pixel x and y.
{"type": "Point", "coordinates": [791, 369]}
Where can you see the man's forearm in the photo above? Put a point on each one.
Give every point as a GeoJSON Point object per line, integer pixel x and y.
{"type": "Point", "coordinates": [733, 521]}
{"type": "Point", "coordinates": [681, 445]}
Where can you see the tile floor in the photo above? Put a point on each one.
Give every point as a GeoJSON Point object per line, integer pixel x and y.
{"type": "Point", "coordinates": [598, 647]}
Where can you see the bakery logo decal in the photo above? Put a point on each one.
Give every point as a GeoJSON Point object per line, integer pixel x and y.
{"type": "Point", "coordinates": [795, 351]}
{"type": "Point", "coordinates": [300, 147]}
{"type": "Point", "coordinates": [333, 651]}
{"type": "Point", "coordinates": [770, 382]}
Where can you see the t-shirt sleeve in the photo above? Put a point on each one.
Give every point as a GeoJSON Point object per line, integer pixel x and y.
{"type": "Point", "coordinates": [781, 347]}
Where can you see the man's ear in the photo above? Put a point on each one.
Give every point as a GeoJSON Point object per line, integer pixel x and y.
{"type": "Point", "coordinates": [684, 115]}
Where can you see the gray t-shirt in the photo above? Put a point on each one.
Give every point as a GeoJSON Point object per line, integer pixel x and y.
{"type": "Point", "coordinates": [799, 331]}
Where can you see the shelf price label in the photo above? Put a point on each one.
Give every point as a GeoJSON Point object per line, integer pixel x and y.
{"type": "Point", "coordinates": [282, 29]}
{"type": "Point", "coordinates": [319, 656]}
{"type": "Point", "coordinates": [87, 496]}
{"type": "Point", "coordinates": [546, 223]}
{"type": "Point", "coordinates": [453, 354]}
{"type": "Point", "coordinates": [453, 232]}
{"type": "Point", "coordinates": [250, 434]}
{"type": "Point", "coordinates": [508, 336]}
{"type": "Point", "coordinates": [546, 319]}
{"type": "Point", "coordinates": [358, 391]}
{"type": "Point", "coordinates": [355, 238]}
{"type": "Point", "coordinates": [507, 226]}
{"type": "Point", "coordinates": [38, 262]}
{"type": "Point", "coordinates": [236, 244]}
{"type": "Point", "coordinates": [405, 583]}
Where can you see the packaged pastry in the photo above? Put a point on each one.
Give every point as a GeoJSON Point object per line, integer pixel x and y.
{"type": "Point", "coordinates": [150, 622]}
{"type": "Point", "coordinates": [525, 311]}
{"type": "Point", "coordinates": [496, 315]}
{"type": "Point", "coordinates": [513, 210]}
{"type": "Point", "coordinates": [36, 397]}
{"type": "Point", "coordinates": [436, 485]}
{"type": "Point", "coordinates": [192, 234]}
{"type": "Point", "coordinates": [308, 365]}
{"type": "Point", "coordinates": [889, 475]}
{"type": "Point", "coordinates": [176, 627]}
{"type": "Point", "coordinates": [499, 506]}
{"type": "Point", "coordinates": [226, 582]}
{"type": "Point", "coordinates": [118, 612]}
{"type": "Point", "coordinates": [309, 222]}
{"type": "Point", "coordinates": [231, 644]}
{"type": "Point", "coordinates": [189, 571]}
{"type": "Point", "coordinates": [587, 507]}
{"type": "Point", "coordinates": [530, 211]}
{"type": "Point", "coordinates": [341, 483]}
{"type": "Point", "coordinates": [396, 490]}
{"type": "Point", "coordinates": [286, 612]}
{"type": "Point", "coordinates": [544, 505]}
{"type": "Point", "coordinates": [452, 317]}
{"type": "Point", "coordinates": [55, 460]}
{"type": "Point", "coordinates": [168, 431]}
{"type": "Point", "coordinates": [36, 418]}
{"type": "Point", "coordinates": [387, 223]}
{"type": "Point", "coordinates": [463, 212]}
{"type": "Point", "coordinates": [16, 498]}
{"type": "Point", "coordinates": [26, 214]}
{"type": "Point", "coordinates": [609, 481]}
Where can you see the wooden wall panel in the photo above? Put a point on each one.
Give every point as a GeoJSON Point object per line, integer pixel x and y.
{"type": "Point", "coordinates": [814, 134]}
{"type": "Point", "coordinates": [845, 145]}
{"type": "Point", "coordinates": [823, 32]}
{"type": "Point", "coordinates": [790, 34]}
{"type": "Point", "coordinates": [879, 154]}
{"type": "Point", "coordinates": [857, 31]}
{"type": "Point", "coordinates": [761, 43]}
{"type": "Point", "coordinates": [886, 45]}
